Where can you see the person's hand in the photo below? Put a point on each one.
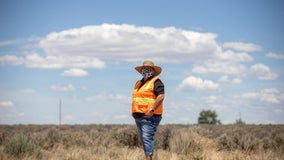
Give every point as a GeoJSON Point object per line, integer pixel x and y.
{"type": "Point", "coordinates": [149, 114]}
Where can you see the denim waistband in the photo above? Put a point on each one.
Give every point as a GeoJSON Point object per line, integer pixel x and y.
{"type": "Point", "coordinates": [139, 115]}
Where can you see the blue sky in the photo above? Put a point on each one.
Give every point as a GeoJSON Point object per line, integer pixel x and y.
{"type": "Point", "coordinates": [225, 56]}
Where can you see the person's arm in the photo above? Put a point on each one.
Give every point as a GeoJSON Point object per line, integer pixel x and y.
{"type": "Point", "coordinates": [159, 100]}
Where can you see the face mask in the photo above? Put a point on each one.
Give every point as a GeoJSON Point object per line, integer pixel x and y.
{"type": "Point", "coordinates": [147, 72]}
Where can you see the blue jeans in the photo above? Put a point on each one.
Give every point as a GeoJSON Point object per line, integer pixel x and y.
{"type": "Point", "coordinates": [147, 128]}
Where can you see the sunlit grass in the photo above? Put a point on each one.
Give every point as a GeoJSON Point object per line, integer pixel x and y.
{"type": "Point", "coordinates": [120, 142]}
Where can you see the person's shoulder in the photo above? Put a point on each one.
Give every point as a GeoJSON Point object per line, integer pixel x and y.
{"type": "Point", "coordinates": [138, 81]}
{"type": "Point", "coordinates": [137, 84]}
{"type": "Point", "coordinates": [158, 80]}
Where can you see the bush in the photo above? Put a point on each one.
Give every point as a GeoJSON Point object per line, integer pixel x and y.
{"type": "Point", "coordinates": [239, 139]}
{"type": "Point", "coordinates": [225, 142]}
{"type": "Point", "coordinates": [127, 136]}
{"type": "Point", "coordinates": [185, 141]}
{"type": "Point", "coordinates": [163, 136]}
{"type": "Point", "coordinates": [195, 142]}
{"type": "Point", "coordinates": [20, 146]}
{"type": "Point", "coordinates": [2, 137]}
{"type": "Point", "coordinates": [49, 139]}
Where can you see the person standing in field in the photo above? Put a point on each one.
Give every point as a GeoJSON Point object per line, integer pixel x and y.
{"type": "Point", "coordinates": [147, 104]}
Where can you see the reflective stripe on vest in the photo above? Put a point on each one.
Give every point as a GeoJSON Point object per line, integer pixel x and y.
{"type": "Point", "coordinates": [143, 98]}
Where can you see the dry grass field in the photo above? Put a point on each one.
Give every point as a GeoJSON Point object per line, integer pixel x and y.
{"type": "Point", "coordinates": [120, 142]}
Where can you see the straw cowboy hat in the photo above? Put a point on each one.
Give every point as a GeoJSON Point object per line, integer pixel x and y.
{"type": "Point", "coordinates": [148, 63]}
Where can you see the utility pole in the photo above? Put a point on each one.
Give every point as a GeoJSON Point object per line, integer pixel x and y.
{"type": "Point", "coordinates": [59, 111]}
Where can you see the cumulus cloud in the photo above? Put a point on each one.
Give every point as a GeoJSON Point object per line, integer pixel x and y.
{"type": "Point", "coordinates": [11, 59]}
{"type": "Point", "coordinates": [237, 80]}
{"type": "Point", "coordinates": [6, 104]}
{"type": "Point", "coordinates": [92, 46]}
{"type": "Point", "coordinates": [226, 62]}
{"type": "Point", "coordinates": [75, 72]}
{"type": "Point", "coordinates": [107, 97]}
{"type": "Point", "coordinates": [234, 57]}
{"type": "Point", "coordinates": [197, 84]}
{"type": "Point", "coordinates": [240, 46]}
{"type": "Point", "coordinates": [226, 78]}
{"type": "Point", "coordinates": [211, 99]}
{"type": "Point", "coordinates": [33, 60]}
{"type": "Point", "coordinates": [9, 42]}
{"type": "Point", "coordinates": [270, 95]}
{"type": "Point", "coordinates": [217, 67]}
{"type": "Point", "coordinates": [131, 43]}
{"type": "Point", "coordinates": [263, 72]}
{"type": "Point", "coordinates": [69, 87]}
{"type": "Point", "coordinates": [88, 46]}
{"type": "Point", "coordinates": [275, 55]}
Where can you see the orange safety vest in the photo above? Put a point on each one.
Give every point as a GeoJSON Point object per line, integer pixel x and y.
{"type": "Point", "coordinates": [144, 98]}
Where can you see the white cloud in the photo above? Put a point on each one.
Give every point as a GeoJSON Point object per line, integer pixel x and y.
{"type": "Point", "coordinates": [218, 67]}
{"type": "Point", "coordinates": [197, 84]}
{"type": "Point", "coordinates": [270, 95]}
{"type": "Point", "coordinates": [75, 72]}
{"type": "Point", "coordinates": [88, 46]}
{"type": "Point", "coordinates": [33, 60]}
{"type": "Point", "coordinates": [226, 78]}
{"type": "Point", "coordinates": [227, 62]}
{"type": "Point", "coordinates": [237, 80]}
{"type": "Point", "coordinates": [217, 106]}
{"type": "Point", "coordinates": [9, 42]}
{"type": "Point", "coordinates": [106, 97]}
{"type": "Point", "coordinates": [62, 88]}
{"type": "Point", "coordinates": [6, 104]}
{"type": "Point", "coordinates": [131, 43]}
{"type": "Point", "coordinates": [85, 47]}
{"type": "Point", "coordinates": [235, 57]}
{"type": "Point", "coordinates": [10, 59]}
{"type": "Point", "coordinates": [211, 99]}
{"type": "Point", "coordinates": [240, 46]}
{"type": "Point", "coordinates": [250, 95]}
{"type": "Point", "coordinates": [280, 111]}
{"type": "Point", "coordinates": [78, 49]}
{"type": "Point", "coordinates": [274, 55]}
{"type": "Point", "coordinates": [263, 72]}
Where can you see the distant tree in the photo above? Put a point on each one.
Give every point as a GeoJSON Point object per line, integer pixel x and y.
{"type": "Point", "coordinates": [208, 117]}
{"type": "Point", "coordinates": [240, 122]}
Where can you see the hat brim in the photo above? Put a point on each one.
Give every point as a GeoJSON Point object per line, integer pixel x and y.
{"type": "Point", "coordinates": [157, 69]}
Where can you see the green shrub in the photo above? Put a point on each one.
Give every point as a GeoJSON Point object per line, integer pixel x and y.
{"type": "Point", "coordinates": [127, 136]}
{"type": "Point", "coordinates": [51, 138]}
{"type": "Point", "coordinates": [163, 136]}
{"type": "Point", "coordinates": [185, 141]}
{"type": "Point", "coordinates": [2, 137]}
{"type": "Point", "coordinates": [20, 146]}
{"type": "Point", "coordinates": [225, 142]}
